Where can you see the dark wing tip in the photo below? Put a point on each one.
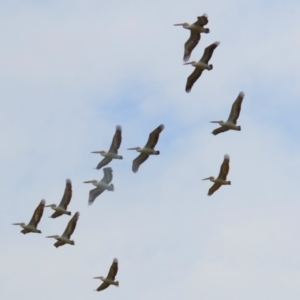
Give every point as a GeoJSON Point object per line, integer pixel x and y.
{"type": "Point", "coordinates": [226, 156]}
{"type": "Point", "coordinates": [115, 260]}
{"type": "Point", "coordinates": [242, 94]}
{"type": "Point", "coordinates": [68, 181]}
{"type": "Point", "coordinates": [216, 43]}
{"type": "Point", "coordinates": [77, 214]}
{"type": "Point", "coordinates": [161, 126]}
{"type": "Point", "coordinates": [43, 202]}
{"type": "Point", "coordinates": [118, 127]}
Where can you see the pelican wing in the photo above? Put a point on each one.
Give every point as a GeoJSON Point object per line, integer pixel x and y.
{"type": "Point", "coordinates": [56, 214]}
{"type": "Point", "coordinates": [58, 244]}
{"type": "Point", "coordinates": [224, 168]}
{"type": "Point", "coordinates": [190, 44]}
{"type": "Point", "coordinates": [138, 161]}
{"type": "Point", "coordinates": [103, 286]}
{"type": "Point", "coordinates": [67, 195]}
{"type": "Point", "coordinates": [71, 226]}
{"type": "Point", "coordinates": [219, 130]}
{"type": "Point", "coordinates": [202, 21]}
{"type": "Point", "coordinates": [192, 79]}
{"type": "Point", "coordinates": [208, 52]}
{"type": "Point", "coordinates": [153, 136]}
{"type": "Point", "coordinates": [37, 215]}
{"type": "Point", "coordinates": [113, 270]}
{"type": "Point", "coordinates": [236, 108]}
{"type": "Point", "coordinates": [94, 193]}
{"type": "Point", "coordinates": [105, 161]}
{"type": "Point", "coordinates": [117, 139]}
{"type": "Point", "coordinates": [108, 176]}
{"type": "Point", "coordinates": [214, 187]}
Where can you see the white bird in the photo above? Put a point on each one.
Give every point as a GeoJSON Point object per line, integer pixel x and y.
{"type": "Point", "coordinates": [201, 65]}
{"type": "Point", "coordinates": [102, 185]}
{"type": "Point", "coordinates": [221, 180]}
{"type": "Point", "coordinates": [65, 238]}
{"type": "Point", "coordinates": [110, 279]}
{"type": "Point", "coordinates": [112, 153]}
{"type": "Point", "coordinates": [234, 114]}
{"type": "Point", "coordinates": [148, 149]}
{"type": "Point", "coordinates": [196, 29]}
{"type": "Point", "coordinates": [61, 209]}
{"type": "Point", "coordinates": [32, 225]}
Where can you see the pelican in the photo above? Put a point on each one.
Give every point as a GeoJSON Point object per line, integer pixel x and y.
{"type": "Point", "coordinates": [148, 149]}
{"type": "Point", "coordinates": [221, 180]}
{"type": "Point", "coordinates": [61, 209]}
{"type": "Point", "coordinates": [102, 185]}
{"type": "Point", "coordinates": [32, 225]}
{"type": "Point", "coordinates": [196, 30]}
{"type": "Point", "coordinates": [65, 238]}
{"type": "Point", "coordinates": [110, 279]}
{"type": "Point", "coordinates": [113, 150]}
{"type": "Point", "coordinates": [201, 65]}
{"type": "Point", "coordinates": [234, 114]}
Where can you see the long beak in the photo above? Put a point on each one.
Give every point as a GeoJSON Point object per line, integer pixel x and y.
{"type": "Point", "coordinates": [180, 24]}
{"type": "Point", "coordinates": [16, 223]}
{"type": "Point", "coordinates": [96, 277]}
{"type": "Point", "coordinates": [206, 178]}
{"type": "Point", "coordinates": [188, 63]}
{"type": "Point", "coordinates": [88, 181]}
{"type": "Point", "coordinates": [48, 205]}
{"type": "Point", "coordinates": [96, 152]}
{"type": "Point", "coordinates": [215, 122]}
{"type": "Point", "coordinates": [132, 148]}
{"type": "Point", "coordinates": [50, 236]}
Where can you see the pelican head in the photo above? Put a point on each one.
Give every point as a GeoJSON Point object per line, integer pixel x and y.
{"type": "Point", "coordinates": [99, 277]}
{"type": "Point", "coordinates": [211, 178]}
{"type": "Point", "coordinates": [190, 63]}
{"type": "Point", "coordinates": [102, 152]}
{"type": "Point", "coordinates": [135, 148]}
{"type": "Point", "coordinates": [218, 122]}
{"type": "Point", "coordinates": [51, 205]}
{"type": "Point", "coordinates": [182, 24]}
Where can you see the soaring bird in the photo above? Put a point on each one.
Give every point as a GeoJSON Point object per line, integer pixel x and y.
{"type": "Point", "coordinates": [110, 279]}
{"type": "Point", "coordinates": [65, 238]}
{"type": "Point", "coordinates": [196, 29]}
{"type": "Point", "coordinates": [234, 114]}
{"type": "Point", "coordinates": [201, 65]}
{"type": "Point", "coordinates": [61, 209]}
{"type": "Point", "coordinates": [221, 180]}
{"type": "Point", "coordinates": [113, 150]}
{"type": "Point", "coordinates": [148, 149]}
{"type": "Point", "coordinates": [32, 225]}
{"type": "Point", "coordinates": [102, 185]}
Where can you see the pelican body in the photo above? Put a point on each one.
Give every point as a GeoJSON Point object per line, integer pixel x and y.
{"type": "Point", "coordinates": [196, 29]}
{"type": "Point", "coordinates": [112, 153]}
{"type": "Point", "coordinates": [65, 238]}
{"type": "Point", "coordinates": [32, 225]}
{"type": "Point", "coordinates": [221, 180]}
{"type": "Point", "coordinates": [201, 65]}
{"type": "Point", "coordinates": [148, 149]}
{"type": "Point", "coordinates": [110, 279]}
{"type": "Point", "coordinates": [234, 115]}
{"type": "Point", "coordinates": [61, 209]}
{"type": "Point", "coordinates": [102, 185]}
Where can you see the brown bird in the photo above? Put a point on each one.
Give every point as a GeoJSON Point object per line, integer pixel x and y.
{"type": "Point", "coordinates": [148, 149]}
{"type": "Point", "coordinates": [110, 279]}
{"type": "Point", "coordinates": [201, 65]}
{"type": "Point", "coordinates": [221, 180]}
{"type": "Point", "coordinates": [196, 29]}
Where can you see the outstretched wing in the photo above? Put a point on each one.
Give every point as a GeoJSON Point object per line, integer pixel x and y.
{"type": "Point", "coordinates": [108, 175]}
{"type": "Point", "coordinates": [105, 161]}
{"type": "Point", "coordinates": [202, 21]}
{"type": "Point", "coordinates": [208, 52]}
{"type": "Point", "coordinates": [103, 286]}
{"type": "Point", "coordinates": [117, 139]}
{"type": "Point", "coordinates": [67, 195]}
{"type": "Point", "coordinates": [94, 193]}
{"type": "Point", "coordinates": [71, 225]}
{"type": "Point", "coordinates": [113, 270]}
{"type": "Point", "coordinates": [153, 136]}
{"type": "Point", "coordinates": [220, 130]}
{"type": "Point", "coordinates": [192, 79]}
{"type": "Point", "coordinates": [190, 44]}
{"type": "Point", "coordinates": [214, 187]}
{"type": "Point", "coordinates": [224, 168]}
{"type": "Point", "coordinates": [56, 214]}
{"type": "Point", "coordinates": [236, 108]}
{"type": "Point", "coordinates": [58, 244]}
{"type": "Point", "coordinates": [138, 161]}
{"type": "Point", "coordinates": [38, 213]}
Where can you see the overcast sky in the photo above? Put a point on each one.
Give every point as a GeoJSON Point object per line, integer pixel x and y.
{"type": "Point", "coordinates": [71, 71]}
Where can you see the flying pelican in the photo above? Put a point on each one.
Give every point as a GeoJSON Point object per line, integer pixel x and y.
{"type": "Point", "coordinates": [102, 185]}
{"type": "Point", "coordinates": [63, 205]}
{"type": "Point", "coordinates": [221, 180]}
{"type": "Point", "coordinates": [196, 30]}
{"type": "Point", "coordinates": [113, 150]}
{"type": "Point", "coordinates": [110, 279]}
{"type": "Point", "coordinates": [32, 225]}
{"type": "Point", "coordinates": [148, 149]}
{"type": "Point", "coordinates": [201, 65]}
{"type": "Point", "coordinates": [65, 238]}
{"type": "Point", "coordinates": [234, 114]}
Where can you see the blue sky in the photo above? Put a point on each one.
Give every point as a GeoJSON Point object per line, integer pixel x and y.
{"type": "Point", "coordinates": [72, 70]}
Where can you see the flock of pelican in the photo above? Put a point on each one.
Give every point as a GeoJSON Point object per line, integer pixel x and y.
{"type": "Point", "coordinates": [149, 149]}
